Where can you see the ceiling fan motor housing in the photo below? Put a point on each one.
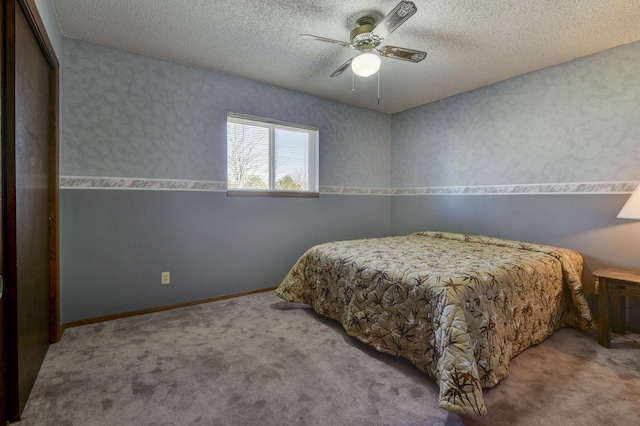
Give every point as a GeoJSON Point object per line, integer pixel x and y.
{"type": "Point", "coordinates": [362, 36]}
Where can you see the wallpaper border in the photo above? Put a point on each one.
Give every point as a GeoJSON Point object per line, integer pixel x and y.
{"type": "Point", "coordinates": [517, 189]}
{"type": "Point", "coordinates": [92, 182]}
{"type": "Point", "coordinates": [86, 182]}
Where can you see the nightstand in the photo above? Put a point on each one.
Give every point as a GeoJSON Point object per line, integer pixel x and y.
{"type": "Point", "coordinates": [614, 285]}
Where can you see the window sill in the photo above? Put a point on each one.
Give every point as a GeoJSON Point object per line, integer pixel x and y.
{"type": "Point", "coordinates": [290, 194]}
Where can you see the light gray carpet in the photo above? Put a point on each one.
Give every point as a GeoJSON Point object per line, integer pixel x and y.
{"type": "Point", "coordinates": [256, 360]}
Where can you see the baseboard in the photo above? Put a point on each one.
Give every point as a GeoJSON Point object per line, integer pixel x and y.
{"type": "Point", "coordinates": [633, 329]}
{"type": "Point", "coordinates": [159, 309]}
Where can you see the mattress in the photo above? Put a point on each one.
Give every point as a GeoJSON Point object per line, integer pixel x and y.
{"type": "Point", "coordinates": [459, 307]}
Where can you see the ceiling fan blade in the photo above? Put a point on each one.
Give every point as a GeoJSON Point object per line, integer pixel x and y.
{"type": "Point", "coordinates": [402, 53]}
{"type": "Point", "coordinates": [326, 40]}
{"type": "Point", "coordinates": [342, 68]}
{"type": "Point", "coordinates": [403, 11]}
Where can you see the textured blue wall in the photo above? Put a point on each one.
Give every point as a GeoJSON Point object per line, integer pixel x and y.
{"type": "Point", "coordinates": [128, 115]}
{"type": "Point", "coordinates": [574, 122]}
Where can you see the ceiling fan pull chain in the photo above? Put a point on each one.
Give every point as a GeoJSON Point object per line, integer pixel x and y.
{"type": "Point", "coordinates": [378, 87]}
{"type": "Point", "coordinates": [353, 83]}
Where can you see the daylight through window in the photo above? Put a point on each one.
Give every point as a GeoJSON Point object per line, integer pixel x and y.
{"type": "Point", "coordinates": [271, 156]}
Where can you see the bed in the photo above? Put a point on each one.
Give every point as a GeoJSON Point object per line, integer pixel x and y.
{"type": "Point", "coordinates": [459, 307]}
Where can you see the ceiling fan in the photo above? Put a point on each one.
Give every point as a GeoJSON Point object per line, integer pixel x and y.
{"type": "Point", "coordinates": [367, 36]}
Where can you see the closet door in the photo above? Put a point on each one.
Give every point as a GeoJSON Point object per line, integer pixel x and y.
{"type": "Point", "coordinates": [29, 212]}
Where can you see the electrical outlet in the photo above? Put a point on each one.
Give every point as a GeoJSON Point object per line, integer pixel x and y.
{"type": "Point", "coordinates": [166, 278]}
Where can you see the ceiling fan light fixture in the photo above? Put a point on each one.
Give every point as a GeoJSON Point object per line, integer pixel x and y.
{"type": "Point", "coordinates": [365, 64]}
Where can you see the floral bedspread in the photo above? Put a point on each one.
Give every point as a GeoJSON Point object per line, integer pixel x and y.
{"type": "Point", "coordinates": [459, 307]}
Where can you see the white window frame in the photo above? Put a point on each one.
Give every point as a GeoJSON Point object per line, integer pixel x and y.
{"type": "Point", "coordinates": [272, 125]}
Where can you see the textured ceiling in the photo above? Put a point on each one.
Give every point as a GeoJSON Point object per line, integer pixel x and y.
{"type": "Point", "coordinates": [470, 43]}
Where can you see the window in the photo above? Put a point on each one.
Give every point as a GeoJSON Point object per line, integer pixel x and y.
{"type": "Point", "coordinates": [268, 157]}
